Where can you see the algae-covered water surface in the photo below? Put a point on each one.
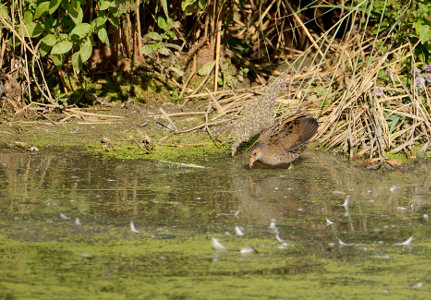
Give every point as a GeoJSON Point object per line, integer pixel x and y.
{"type": "Point", "coordinates": [78, 226]}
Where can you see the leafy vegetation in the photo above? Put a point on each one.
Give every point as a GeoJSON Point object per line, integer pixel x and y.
{"type": "Point", "coordinates": [335, 60]}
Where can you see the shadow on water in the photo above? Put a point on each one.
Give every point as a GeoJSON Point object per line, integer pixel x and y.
{"type": "Point", "coordinates": [178, 210]}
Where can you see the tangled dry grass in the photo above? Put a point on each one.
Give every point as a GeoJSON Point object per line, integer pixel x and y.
{"type": "Point", "coordinates": [368, 105]}
{"type": "Point", "coordinates": [367, 101]}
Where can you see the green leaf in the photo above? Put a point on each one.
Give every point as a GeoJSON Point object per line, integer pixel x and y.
{"type": "Point", "coordinates": [41, 9]}
{"type": "Point", "coordinates": [28, 17]}
{"type": "Point", "coordinates": [103, 35]}
{"type": "Point", "coordinates": [86, 50]}
{"type": "Point", "coordinates": [154, 36]}
{"type": "Point", "coordinates": [62, 47]}
{"type": "Point", "coordinates": [113, 21]}
{"type": "Point", "coordinates": [169, 35]}
{"type": "Point", "coordinates": [165, 7]}
{"type": "Point", "coordinates": [44, 49]}
{"type": "Point", "coordinates": [190, 7]}
{"type": "Point", "coordinates": [53, 5]}
{"type": "Point", "coordinates": [161, 22]}
{"type": "Point", "coordinates": [206, 68]}
{"type": "Point", "coordinates": [202, 4]}
{"type": "Point", "coordinates": [57, 60]}
{"type": "Point", "coordinates": [149, 49]}
{"type": "Point", "coordinates": [76, 62]}
{"type": "Point", "coordinates": [75, 11]}
{"type": "Point", "coordinates": [99, 22]}
{"type": "Point", "coordinates": [81, 29]}
{"type": "Point", "coordinates": [32, 29]}
{"type": "Point", "coordinates": [423, 31]}
{"type": "Point", "coordinates": [4, 11]}
{"type": "Point", "coordinates": [49, 40]}
{"type": "Point", "coordinates": [103, 5]}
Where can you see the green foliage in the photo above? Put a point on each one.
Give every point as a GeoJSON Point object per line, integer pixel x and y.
{"type": "Point", "coordinates": [405, 20]}
{"type": "Point", "coordinates": [155, 43]}
{"type": "Point", "coordinates": [59, 27]}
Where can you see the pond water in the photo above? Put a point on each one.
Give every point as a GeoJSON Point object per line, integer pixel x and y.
{"type": "Point", "coordinates": [65, 229]}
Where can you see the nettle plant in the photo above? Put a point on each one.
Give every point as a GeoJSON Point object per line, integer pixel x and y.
{"type": "Point", "coordinates": [63, 31]}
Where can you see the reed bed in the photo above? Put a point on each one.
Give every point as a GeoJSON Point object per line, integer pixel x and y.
{"type": "Point", "coordinates": [370, 96]}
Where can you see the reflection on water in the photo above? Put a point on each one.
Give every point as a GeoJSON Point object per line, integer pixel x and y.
{"type": "Point", "coordinates": [167, 202]}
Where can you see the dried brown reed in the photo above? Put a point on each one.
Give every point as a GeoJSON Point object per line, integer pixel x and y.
{"type": "Point", "coordinates": [364, 97]}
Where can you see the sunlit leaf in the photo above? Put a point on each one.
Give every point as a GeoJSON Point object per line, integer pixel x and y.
{"type": "Point", "coordinates": [161, 22]}
{"type": "Point", "coordinates": [103, 5]}
{"type": "Point", "coordinates": [28, 17]}
{"type": "Point", "coordinates": [81, 29]}
{"type": "Point", "coordinates": [86, 50]}
{"type": "Point", "coordinates": [62, 47]}
{"type": "Point", "coordinates": [190, 7]}
{"type": "Point", "coordinates": [202, 4]}
{"type": "Point", "coordinates": [4, 11]}
{"type": "Point", "coordinates": [50, 40]}
{"type": "Point", "coordinates": [32, 29]}
{"type": "Point", "coordinates": [41, 9]}
{"type": "Point", "coordinates": [57, 60]}
{"type": "Point", "coordinates": [154, 36]}
{"type": "Point", "coordinates": [76, 62]}
{"type": "Point", "coordinates": [53, 5]}
{"type": "Point", "coordinates": [44, 49]}
{"type": "Point", "coordinates": [150, 48]}
{"type": "Point", "coordinates": [103, 35]}
{"type": "Point", "coordinates": [99, 21]}
{"type": "Point", "coordinates": [423, 31]}
{"type": "Point", "coordinates": [75, 11]}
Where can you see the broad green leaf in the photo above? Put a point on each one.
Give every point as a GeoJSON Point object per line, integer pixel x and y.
{"type": "Point", "coordinates": [44, 49]}
{"type": "Point", "coordinates": [154, 36]}
{"type": "Point", "coordinates": [103, 35]}
{"type": "Point", "coordinates": [32, 30]}
{"type": "Point", "coordinates": [120, 11]}
{"type": "Point", "coordinates": [57, 60]}
{"type": "Point", "coordinates": [190, 7]}
{"type": "Point", "coordinates": [53, 5]}
{"type": "Point", "coordinates": [81, 29]}
{"type": "Point", "coordinates": [202, 4]}
{"type": "Point", "coordinates": [41, 9]}
{"type": "Point", "coordinates": [169, 35]}
{"type": "Point", "coordinates": [99, 21]}
{"type": "Point", "coordinates": [76, 62]}
{"type": "Point", "coordinates": [75, 11]}
{"type": "Point", "coordinates": [63, 37]}
{"type": "Point", "coordinates": [150, 48]}
{"type": "Point", "coordinates": [113, 21]}
{"type": "Point", "coordinates": [206, 68]}
{"type": "Point", "coordinates": [103, 4]}
{"type": "Point", "coordinates": [28, 17]}
{"type": "Point", "coordinates": [62, 47]}
{"type": "Point", "coordinates": [161, 22]}
{"type": "Point", "coordinates": [4, 11]}
{"type": "Point", "coordinates": [86, 50]}
{"type": "Point", "coordinates": [49, 40]}
{"type": "Point", "coordinates": [423, 31]}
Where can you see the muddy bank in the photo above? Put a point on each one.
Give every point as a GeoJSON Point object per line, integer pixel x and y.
{"type": "Point", "coordinates": [132, 131]}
